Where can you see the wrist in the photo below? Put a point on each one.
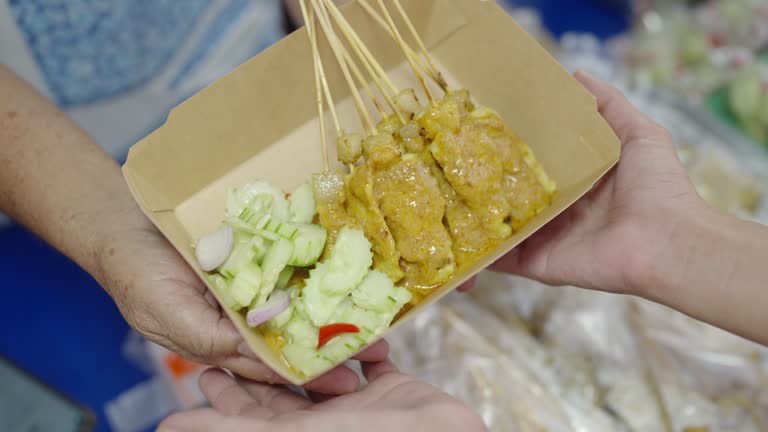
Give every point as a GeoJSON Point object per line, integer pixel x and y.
{"type": "Point", "coordinates": [114, 230]}
{"type": "Point", "coordinates": [666, 277]}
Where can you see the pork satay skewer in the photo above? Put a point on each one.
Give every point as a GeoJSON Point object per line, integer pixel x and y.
{"type": "Point", "coordinates": [337, 51]}
{"type": "Point", "coordinates": [370, 64]}
{"type": "Point", "coordinates": [434, 74]}
{"type": "Point", "coordinates": [404, 49]}
{"type": "Point", "coordinates": [420, 42]}
{"type": "Point", "coordinates": [311, 31]}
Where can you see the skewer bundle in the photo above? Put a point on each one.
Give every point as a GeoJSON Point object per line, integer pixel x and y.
{"type": "Point", "coordinates": [461, 161]}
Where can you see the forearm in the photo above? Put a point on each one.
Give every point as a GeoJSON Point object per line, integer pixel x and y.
{"type": "Point", "coordinates": [55, 180]}
{"type": "Point", "coordinates": [716, 270]}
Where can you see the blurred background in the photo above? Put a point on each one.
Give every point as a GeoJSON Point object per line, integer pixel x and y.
{"type": "Point", "coordinates": [529, 358]}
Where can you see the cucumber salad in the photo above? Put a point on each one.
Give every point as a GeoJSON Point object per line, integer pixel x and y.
{"type": "Point", "coordinates": [268, 261]}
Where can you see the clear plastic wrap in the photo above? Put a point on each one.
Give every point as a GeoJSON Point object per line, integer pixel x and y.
{"type": "Point", "coordinates": [593, 362]}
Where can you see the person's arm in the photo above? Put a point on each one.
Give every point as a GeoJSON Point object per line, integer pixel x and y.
{"type": "Point", "coordinates": [56, 181]}
{"type": "Point", "coordinates": [59, 183]}
{"type": "Point", "coordinates": [643, 230]}
{"type": "Point", "coordinates": [715, 269]}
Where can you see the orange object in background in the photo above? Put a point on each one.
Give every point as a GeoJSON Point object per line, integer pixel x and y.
{"type": "Point", "coordinates": [179, 366]}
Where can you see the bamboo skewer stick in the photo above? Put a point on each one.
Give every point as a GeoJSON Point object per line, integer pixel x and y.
{"type": "Point", "coordinates": [324, 80]}
{"type": "Point", "coordinates": [309, 19]}
{"type": "Point", "coordinates": [354, 40]}
{"type": "Point", "coordinates": [359, 76]}
{"type": "Point", "coordinates": [435, 74]}
{"type": "Point", "coordinates": [328, 96]}
{"type": "Point", "coordinates": [335, 46]}
{"type": "Point", "coordinates": [356, 71]}
{"type": "Point", "coordinates": [402, 44]}
{"type": "Point", "coordinates": [369, 57]}
{"type": "Point", "coordinates": [420, 43]}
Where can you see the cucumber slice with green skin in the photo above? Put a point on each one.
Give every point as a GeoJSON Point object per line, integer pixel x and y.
{"type": "Point", "coordinates": [263, 221]}
{"type": "Point", "coordinates": [302, 204]}
{"type": "Point", "coordinates": [378, 293]}
{"type": "Point", "coordinates": [259, 206]}
{"type": "Point", "coordinates": [306, 360]}
{"type": "Point", "coordinates": [242, 226]}
{"type": "Point", "coordinates": [245, 285]}
{"type": "Point", "coordinates": [341, 347]}
{"type": "Point", "coordinates": [318, 306]}
{"type": "Point", "coordinates": [308, 245]}
{"type": "Point", "coordinates": [246, 251]}
{"type": "Point", "coordinates": [294, 292]}
{"type": "Point", "coordinates": [259, 246]}
{"type": "Point", "coordinates": [300, 331]}
{"type": "Point", "coordinates": [348, 264]}
{"type": "Point", "coordinates": [284, 278]}
{"type": "Point", "coordinates": [221, 287]}
{"type": "Point", "coordinates": [241, 198]}
{"type": "Point", "coordinates": [283, 229]}
{"type": "Point", "coordinates": [369, 322]}
{"type": "Point", "coordinates": [274, 263]}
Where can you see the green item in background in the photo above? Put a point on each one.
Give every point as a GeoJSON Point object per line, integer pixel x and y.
{"type": "Point", "coordinates": [753, 100]}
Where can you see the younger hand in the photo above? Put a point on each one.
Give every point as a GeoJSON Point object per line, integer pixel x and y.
{"type": "Point", "coordinates": [391, 402]}
{"type": "Point", "coordinates": [610, 239]}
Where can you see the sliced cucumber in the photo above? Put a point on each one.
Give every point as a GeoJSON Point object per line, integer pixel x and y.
{"type": "Point", "coordinates": [241, 198]}
{"type": "Point", "coordinates": [284, 278]}
{"type": "Point", "coordinates": [342, 346]}
{"type": "Point", "coordinates": [242, 226]}
{"type": "Point", "coordinates": [298, 305]}
{"type": "Point", "coordinates": [246, 251]}
{"type": "Point", "coordinates": [369, 322]}
{"type": "Point", "coordinates": [306, 360]}
{"type": "Point", "coordinates": [300, 331]}
{"type": "Point", "coordinates": [308, 245]}
{"type": "Point", "coordinates": [283, 229]}
{"type": "Point", "coordinates": [318, 306]}
{"type": "Point", "coordinates": [302, 204]}
{"type": "Point", "coordinates": [221, 287]}
{"type": "Point", "coordinates": [274, 263]}
{"type": "Point", "coordinates": [348, 264]}
{"type": "Point", "coordinates": [259, 206]}
{"type": "Point", "coordinates": [263, 221]}
{"type": "Point", "coordinates": [246, 285]}
{"type": "Point", "coordinates": [259, 246]}
{"type": "Point", "coordinates": [378, 293]}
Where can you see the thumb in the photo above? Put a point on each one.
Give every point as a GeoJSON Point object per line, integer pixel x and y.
{"type": "Point", "coordinates": [208, 420]}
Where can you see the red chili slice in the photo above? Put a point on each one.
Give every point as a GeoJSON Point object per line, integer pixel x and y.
{"type": "Point", "coordinates": [332, 330]}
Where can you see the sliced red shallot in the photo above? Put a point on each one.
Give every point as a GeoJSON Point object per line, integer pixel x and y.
{"type": "Point", "coordinates": [278, 302]}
